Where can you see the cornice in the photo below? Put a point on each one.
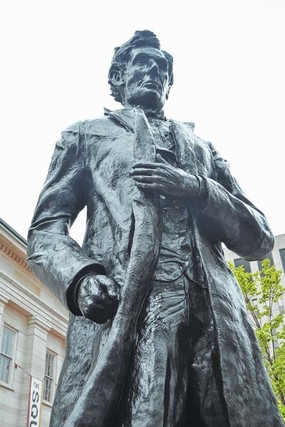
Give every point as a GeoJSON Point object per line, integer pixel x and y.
{"type": "Point", "coordinates": [37, 322]}
{"type": "Point", "coordinates": [7, 248]}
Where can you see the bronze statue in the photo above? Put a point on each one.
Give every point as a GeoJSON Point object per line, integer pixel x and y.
{"type": "Point", "coordinates": [158, 332]}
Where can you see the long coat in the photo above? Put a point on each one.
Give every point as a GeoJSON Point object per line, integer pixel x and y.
{"type": "Point", "coordinates": [90, 167]}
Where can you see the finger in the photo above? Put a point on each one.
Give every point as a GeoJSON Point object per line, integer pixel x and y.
{"type": "Point", "coordinates": [149, 166]}
{"type": "Point", "coordinates": [150, 179]}
{"type": "Point", "coordinates": [110, 286]}
{"type": "Point", "coordinates": [160, 170]}
{"type": "Point", "coordinates": [114, 292]}
{"type": "Point", "coordinates": [104, 279]}
{"type": "Point", "coordinates": [148, 186]}
{"type": "Point", "coordinates": [107, 295]}
{"type": "Point", "coordinates": [98, 285]}
{"type": "Point", "coordinates": [88, 285]}
{"type": "Point", "coordinates": [144, 165]}
{"type": "Point", "coordinates": [85, 304]}
{"type": "Point", "coordinates": [161, 162]}
{"type": "Point", "coordinates": [142, 171]}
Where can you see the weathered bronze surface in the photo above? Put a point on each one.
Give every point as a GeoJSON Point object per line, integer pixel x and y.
{"type": "Point", "coordinates": [158, 332]}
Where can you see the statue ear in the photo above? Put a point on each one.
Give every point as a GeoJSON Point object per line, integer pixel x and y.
{"type": "Point", "coordinates": [116, 76]}
{"type": "Point", "coordinates": [167, 94]}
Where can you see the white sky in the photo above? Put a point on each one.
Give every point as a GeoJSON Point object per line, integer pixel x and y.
{"type": "Point", "coordinates": [229, 71]}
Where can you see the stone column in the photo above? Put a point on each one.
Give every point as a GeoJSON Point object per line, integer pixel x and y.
{"type": "Point", "coordinates": [34, 360]}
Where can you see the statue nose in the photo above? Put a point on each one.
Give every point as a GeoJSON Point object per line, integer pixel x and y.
{"type": "Point", "coordinates": [153, 67]}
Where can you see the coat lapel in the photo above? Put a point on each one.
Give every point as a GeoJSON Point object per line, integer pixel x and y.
{"type": "Point", "coordinates": [125, 118]}
{"type": "Point", "coordinates": [182, 134]}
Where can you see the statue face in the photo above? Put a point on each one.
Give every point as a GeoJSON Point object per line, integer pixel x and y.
{"type": "Point", "coordinates": [146, 79]}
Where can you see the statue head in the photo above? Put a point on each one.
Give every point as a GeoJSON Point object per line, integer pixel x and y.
{"type": "Point", "coordinates": [141, 73]}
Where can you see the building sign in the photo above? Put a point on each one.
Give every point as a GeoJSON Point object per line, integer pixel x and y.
{"type": "Point", "coordinates": [35, 403]}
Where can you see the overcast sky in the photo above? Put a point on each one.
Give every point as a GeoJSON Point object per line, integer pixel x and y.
{"type": "Point", "coordinates": [229, 70]}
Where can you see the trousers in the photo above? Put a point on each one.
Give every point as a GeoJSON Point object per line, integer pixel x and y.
{"type": "Point", "coordinates": [175, 377]}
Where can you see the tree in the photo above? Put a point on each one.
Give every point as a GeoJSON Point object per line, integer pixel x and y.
{"type": "Point", "coordinates": [262, 290]}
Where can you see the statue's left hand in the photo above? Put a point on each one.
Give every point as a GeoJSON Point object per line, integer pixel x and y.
{"type": "Point", "coordinates": [164, 178]}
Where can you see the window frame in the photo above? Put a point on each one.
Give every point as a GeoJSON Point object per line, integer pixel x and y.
{"type": "Point", "coordinates": [11, 356]}
{"type": "Point", "coordinates": [238, 262]}
{"type": "Point", "coordinates": [282, 258]}
{"type": "Point", "coordinates": [49, 378]}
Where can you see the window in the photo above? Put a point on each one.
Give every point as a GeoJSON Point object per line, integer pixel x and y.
{"type": "Point", "coordinates": [281, 306]}
{"type": "Point", "coordinates": [7, 354]}
{"type": "Point", "coordinates": [243, 262]}
{"type": "Point", "coordinates": [269, 256]}
{"type": "Point", "coordinates": [282, 256]}
{"type": "Point", "coordinates": [49, 377]}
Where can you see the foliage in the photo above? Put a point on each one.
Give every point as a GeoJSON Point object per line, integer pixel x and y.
{"type": "Point", "coordinates": [262, 290]}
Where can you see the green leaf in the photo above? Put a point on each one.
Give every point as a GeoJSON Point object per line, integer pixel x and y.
{"type": "Point", "coordinates": [262, 291]}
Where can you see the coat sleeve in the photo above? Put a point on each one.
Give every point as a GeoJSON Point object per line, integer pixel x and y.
{"type": "Point", "coordinates": [55, 258]}
{"type": "Point", "coordinates": [230, 217]}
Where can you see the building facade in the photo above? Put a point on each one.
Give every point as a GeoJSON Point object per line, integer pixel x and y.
{"type": "Point", "coordinates": [33, 327]}
{"type": "Point", "coordinates": [32, 338]}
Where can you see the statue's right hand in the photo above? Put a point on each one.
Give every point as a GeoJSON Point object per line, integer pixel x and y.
{"type": "Point", "coordinates": [98, 297]}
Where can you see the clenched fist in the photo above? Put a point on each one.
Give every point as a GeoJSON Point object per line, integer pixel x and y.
{"type": "Point", "coordinates": [98, 297]}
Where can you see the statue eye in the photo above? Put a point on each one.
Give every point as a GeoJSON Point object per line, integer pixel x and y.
{"type": "Point", "coordinates": [163, 64]}
{"type": "Point", "coordinates": [141, 63]}
{"type": "Point", "coordinates": [140, 60]}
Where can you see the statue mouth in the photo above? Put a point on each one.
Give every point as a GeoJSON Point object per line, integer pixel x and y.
{"type": "Point", "coordinates": [152, 85]}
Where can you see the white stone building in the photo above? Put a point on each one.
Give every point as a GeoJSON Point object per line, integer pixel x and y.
{"type": "Point", "coordinates": [32, 338]}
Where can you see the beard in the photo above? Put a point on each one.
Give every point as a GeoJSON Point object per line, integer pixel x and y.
{"type": "Point", "coordinates": [147, 98]}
